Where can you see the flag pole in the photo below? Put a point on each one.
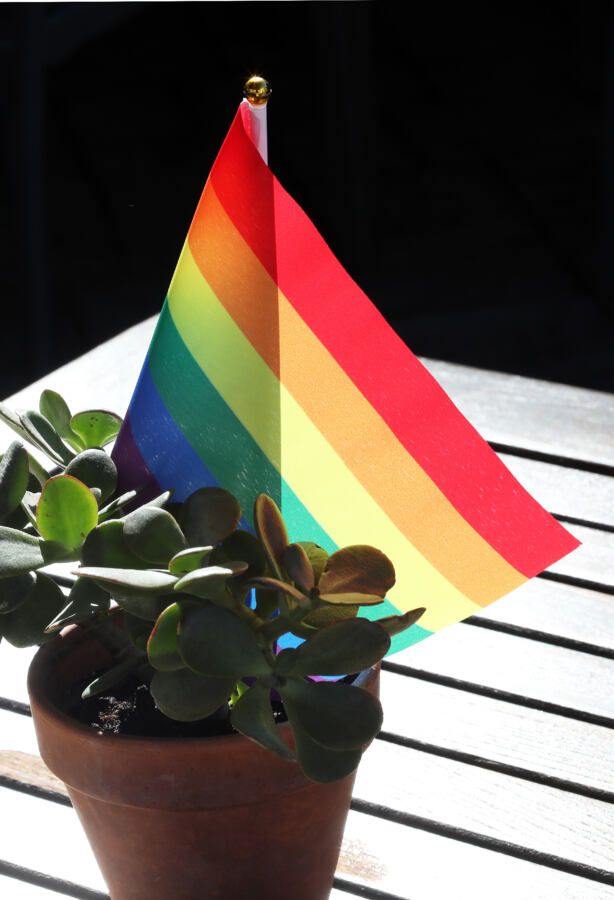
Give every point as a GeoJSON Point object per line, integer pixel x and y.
{"type": "Point", "coordinates": [256, 93]}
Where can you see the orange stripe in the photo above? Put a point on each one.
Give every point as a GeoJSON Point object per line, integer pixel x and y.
{"type": "Point", "coordinates": [341, 412]}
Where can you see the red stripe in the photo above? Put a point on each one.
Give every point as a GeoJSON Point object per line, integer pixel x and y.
{"type": "Point", "coordinates": [394, 381]}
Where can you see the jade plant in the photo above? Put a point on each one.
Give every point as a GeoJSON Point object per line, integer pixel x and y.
{"type": "Point", "coordinates": [191, 603]}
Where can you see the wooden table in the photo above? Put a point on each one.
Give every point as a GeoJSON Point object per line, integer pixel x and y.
{"type": "Point", "coordinates": [494, 776]}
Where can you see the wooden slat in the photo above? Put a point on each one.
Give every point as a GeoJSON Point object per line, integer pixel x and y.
{"type": "Point", "coordinates": [557, 609]}
{"type": "Point", "coordinates": [377, 854]}
{"type": "Point", "coordinates": [508, 663]}
{"type": "Point", "coordinates": [530, 739]}
{"type": "Point", "coordinates": [593, 561]}
{"type": "Point", "coordinates": [566, 491]}
{"type": "Point", "coordinates": [549, 418]}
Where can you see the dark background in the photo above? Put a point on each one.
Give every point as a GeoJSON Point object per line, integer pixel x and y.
{"type": "Point", "coordinates": [461, 168]}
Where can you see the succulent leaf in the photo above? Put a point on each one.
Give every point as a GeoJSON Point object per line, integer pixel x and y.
{"type": "Point", "coordinates": [317, 556]}
{"type": "Point", "coordinates": [271, 530]}
{"type": "Point", "coordinates": [25, 626]}
{"type": "Point", "coordinates": [106, 546]}
{"type": "Point", "coordinates": [85, 601]}
{"type": "Point", "coordinates": [14, 591]}
{"type": "Point", "coordinates": [144, 606]}
{"type": "Point", "coordinates": [296, 563]}
{"type": "Point", "coordinates": [337, 715]}
{"type": "Point", "coordinates": [396, 624]}
{"type": "Point", "coordinates": [209, 515]}
{"type": "Point", "coordinates": [96, 469]}
{"type": "Point", "coordinates": [188, 560]}
{"type": "Point", "coordinates": [214, 641]}
{"type": "Point", "coordinates": [14, 477]}
{"type": "Point", "coordinates": [153, 534]}
{"type": "Point", "coordinates": [55, 409]}
{"type": "Point", "coordinates": [358, 569]}
{"type": "Point", "coordinates": [95, 427]}
{"type": "Point", "coordinates": [186, 696]}
{"type": "Point", "coordinates": [275, 584]}
{"type": "Point", "coordinates": [19, 552]}
{"type": "Point", "coordinates": [128, 582]}
{"type": "Point", "coordinates": [252, 715]}
{"type": "Point", "coordinates": [115, 506]}
{"type": "Point", "coordinates": [111, 677]}
{"type": "Point", "coordinates": [319, 763]}
{"type": "Point", "coordinates": [241, 545]}
{"type": "Point", "coordinates": [43, 435]}
{"type": "Point", "coordinates": [353, 599]}
{"type": "Point", "coordinates": [67, 511]}
{"type": "Point", "coordinates": [162, 644]}
{"type": "Point", "coordinates": [210, 583]}
{"type": "Point", "coordinates": [345, 647]}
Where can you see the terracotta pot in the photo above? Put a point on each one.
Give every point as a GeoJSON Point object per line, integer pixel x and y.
{"type": "Point", "coordinates": [187, 818]}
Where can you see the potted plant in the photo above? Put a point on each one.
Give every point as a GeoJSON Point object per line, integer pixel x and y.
{"type": "Point", "coordinates": [204, 691]}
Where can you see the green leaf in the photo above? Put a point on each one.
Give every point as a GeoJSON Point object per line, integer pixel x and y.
{"type": "Point", "coordinates": [14, 476]}
{"type": "Point", "coordinates": [127, 582]}
{"type": "Point", "coordinates": [210, 583]}
{"type": "Point", "coordinates": [95, 427]}
{"type": "Point", "coordinates": [153, 534]}
{"type": "Point", "coordinates": [336, 715]}
{"type": "Point", "coordinates": [106, 546]}
{"type": "Point", "coordinates": [55, 409]}
{"type": "Point", "coordinates": [12, 419]}
{"type": "Point", "coordinates": [317, 556]}
{"type": "Point", "coordinates": [145, 606]}
{"type": "Point", "coordinates": [359, 569]}
{"type": "Point", "coordinates": [25, 626]}
{"type": "Point", "coordinates": [252, 715]}
{"type": "Point", "coordinates": [241, 545]}
{"type": "Point", "coordinates": [296, 563]}
{"type": "Point", "coordinates": [138, 630]}
{"type": "Point", "coordinates": [19, 552]}
{"type": "Point", "coordinates": [352, 599]}
{"type": "Point", "coordinates": [209, 515]}
{"type": "Point", "coordinates": [115, 506]}
{"type": "Point", "coordinates": [271, 530]}
{"type": "Point", "coordinates": [188, 560]}
{"type": "Point", "coordinates": [275, 584]}
{"type": "Point", "coordinates": [162, 644]}
{"type": "Point", "coordinates": [396, 624]}
{"type": "Point", "coordinates": [186, 696]}
{"type": "Point", "coordinates": [215, 641]}
{"type": "Point", "coordinates": [349, 646]}
{"type": "Point", "coordinates": [96, 469]}
{"type": "Point", "coordinates": [66, 512]}
{"type": "Point", "coordinates": [111, 677]}
{"type": "Point", "coordinates": [43, 435]}
{"type": "Point", "coordinates": [320, 764]}
{"type": "Point", "coordinates": [14, 592]}
{"type": "Point", "coordinates": [85, 601]}
{"type": "Point", "coordinates": [329, 614]}
{"type": "Point", "coordinates": [161, 500]}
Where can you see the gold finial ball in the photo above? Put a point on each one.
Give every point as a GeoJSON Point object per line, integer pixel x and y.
{"type": "Point", "coordinates": [257, 90]}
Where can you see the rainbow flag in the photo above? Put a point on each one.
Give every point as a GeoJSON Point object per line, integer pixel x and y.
{"type": "Point", "coordinates": [270, 370]}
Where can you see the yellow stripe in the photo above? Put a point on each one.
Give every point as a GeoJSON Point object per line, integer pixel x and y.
{"type": "Point", "coordinates": [309, 464]}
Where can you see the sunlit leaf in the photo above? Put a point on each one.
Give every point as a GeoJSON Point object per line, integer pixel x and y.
{"type": "Point", "coordinates": [55, 409]}
{"type": "Point", "coordinates": [359, 569]}
{"type": "Point", "coordinates": [95, 427]}
{"type": "Point", "coordinates": [153, 534]}
{"type": "Point", "coordinates": [271, 530]}
{"type": "Point", "coordinates": [162, 644]}
{"type": "Point", "coordinates": [66, 512]}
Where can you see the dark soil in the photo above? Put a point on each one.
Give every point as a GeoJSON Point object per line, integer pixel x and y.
{"type": "Point", "coordinates": [129, 708]}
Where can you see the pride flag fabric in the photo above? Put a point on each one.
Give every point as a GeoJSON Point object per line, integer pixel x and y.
{"type": "Point", "coordinates": [271, 371]}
